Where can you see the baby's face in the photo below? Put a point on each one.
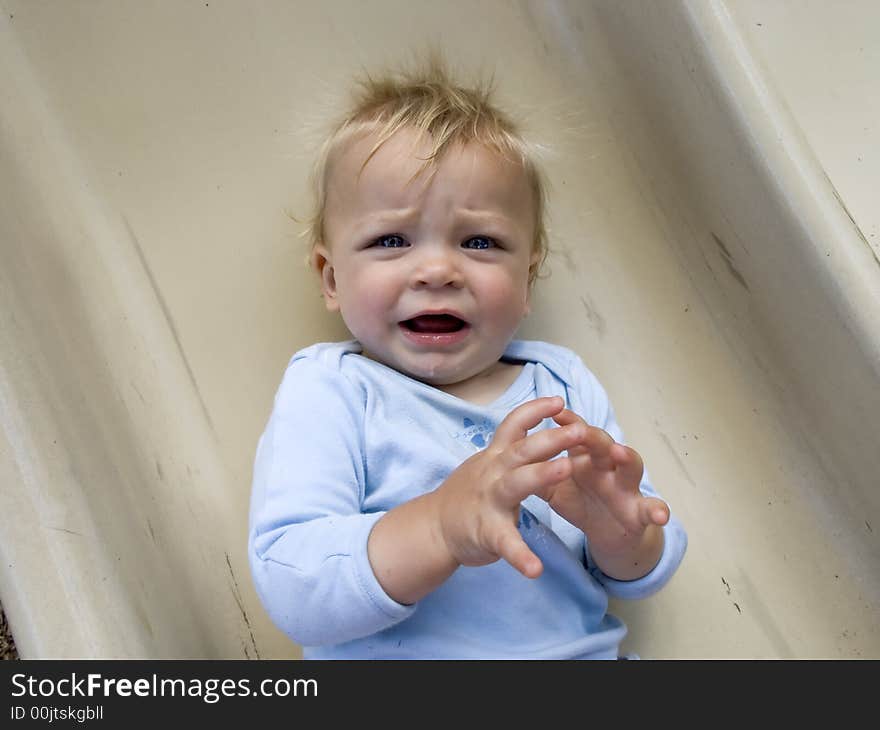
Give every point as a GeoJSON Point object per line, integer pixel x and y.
{"type": "Point", "coordinates": [430, 275]}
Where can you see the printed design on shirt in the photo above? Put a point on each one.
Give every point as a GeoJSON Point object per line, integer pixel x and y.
{"type": "Point", "coordinates": [526, 519]}
{"type": "Point", "coordinates": [477, 434]}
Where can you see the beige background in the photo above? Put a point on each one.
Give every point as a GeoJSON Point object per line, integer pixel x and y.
{"type": "Point", "coordinates": [714, 261]}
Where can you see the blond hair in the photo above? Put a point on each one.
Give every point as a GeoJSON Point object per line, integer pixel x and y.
{"type": "Point", "coordinates": [428, 100]}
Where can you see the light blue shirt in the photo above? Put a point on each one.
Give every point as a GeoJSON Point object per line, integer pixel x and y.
{"type": "Point", "coordinates": [349, 439]}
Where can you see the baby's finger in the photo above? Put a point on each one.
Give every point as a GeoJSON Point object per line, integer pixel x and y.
{"type": "Point", "coordinates": [653, 511]}
{"type": "Point", "coordinates": [523, 418]}
{"type": "Point", "coordinates": [512, 548]}
{"type": "Point", "coordinates": [566, 417]}
{"type": "Point", "coordinates": [530, 479]}
{"type": "Point", "coordinates": [629, 464]}
{"type": "Point", "coordinates": [543, 445]}
{"type": "Point", "coordinates": [597, 443]}
{"type": "Point", "coordinates": [570, 418]}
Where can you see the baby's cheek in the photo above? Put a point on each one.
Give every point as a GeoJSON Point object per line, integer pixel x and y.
{"type": "Point", "coordinates": [365, 295]}
{"type": "Point", "coordinates": [506, 300]}
{"type": "Point", "coordinates": [370, 311]}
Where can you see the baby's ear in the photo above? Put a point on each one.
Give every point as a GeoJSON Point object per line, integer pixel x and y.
{"type": "Point", "coordinates": [323, 265]}
{"type": "Point", "coordinates": [534, 266]}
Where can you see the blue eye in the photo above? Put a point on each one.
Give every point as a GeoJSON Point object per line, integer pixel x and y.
{"type": "Point", "coordinates": [479, 243]}
{"type": "Point", "coordinates": [390, 241]}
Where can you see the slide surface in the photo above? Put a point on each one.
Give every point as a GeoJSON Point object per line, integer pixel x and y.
{"type": "Point", "coordinates": [715, 260]}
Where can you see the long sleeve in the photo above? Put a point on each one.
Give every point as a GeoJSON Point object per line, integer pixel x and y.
{"type": "Point", "coordinates": [308, 538]}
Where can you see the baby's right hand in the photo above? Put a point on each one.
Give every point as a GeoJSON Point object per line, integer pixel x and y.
{"type": "Point", "coordinates": [477, 507]}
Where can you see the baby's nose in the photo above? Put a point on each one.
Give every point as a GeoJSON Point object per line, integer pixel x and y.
{"type": "Point", "coordinates": [437, 269]}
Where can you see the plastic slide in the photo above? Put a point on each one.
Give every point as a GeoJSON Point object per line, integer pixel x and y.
{"type": "Point", "coordinates": [714, 168]}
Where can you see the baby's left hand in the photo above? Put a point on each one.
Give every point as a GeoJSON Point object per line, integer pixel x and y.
{"type": "Point", "coordinates": [602, 496]}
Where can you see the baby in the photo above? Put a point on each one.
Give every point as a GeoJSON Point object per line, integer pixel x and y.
{"type": "Point", "coordinates": [435, 488]}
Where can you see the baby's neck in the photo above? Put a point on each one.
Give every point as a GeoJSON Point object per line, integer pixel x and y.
{"type": "Point", "coordinates": [487, 386]}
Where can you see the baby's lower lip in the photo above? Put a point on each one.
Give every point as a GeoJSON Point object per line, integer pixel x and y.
{"type": "Point", "coordinates": [435, 339]}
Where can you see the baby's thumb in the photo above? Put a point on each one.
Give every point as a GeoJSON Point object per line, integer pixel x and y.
{"type": "Point", "coordinates": [653, 511]}
{"type": "Point", "coordinates": [513, 549]}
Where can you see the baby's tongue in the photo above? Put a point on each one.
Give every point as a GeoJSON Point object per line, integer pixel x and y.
{"type": "Point", "coordinates": [434, 323]}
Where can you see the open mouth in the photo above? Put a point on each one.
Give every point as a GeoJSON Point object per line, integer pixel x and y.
{"type": "Point", "coordinates": [434, 324]}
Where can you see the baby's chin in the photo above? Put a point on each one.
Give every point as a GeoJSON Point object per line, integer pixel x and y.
{"type": "Point", "coordinates": [438, 374]}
